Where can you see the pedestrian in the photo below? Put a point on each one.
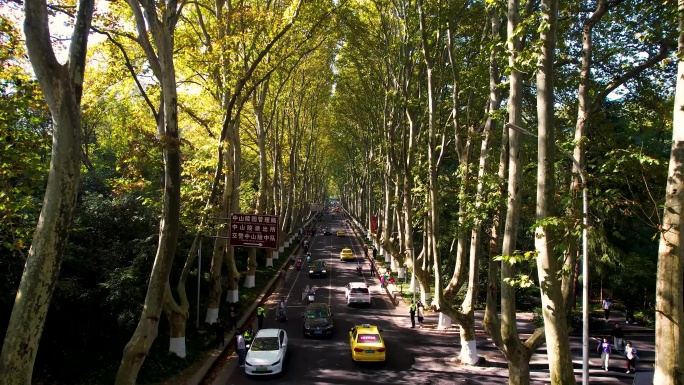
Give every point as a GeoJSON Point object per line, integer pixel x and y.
{"type": "Point", "coordinates": [372, 269]}
{"type": "Point", "coordinates": [607, 305]}
{"type": "Point", "coordinates": [220, 333]}
{"type": "Point", "coordinates": [382, 282]}
{"type": "Point", "coordinates": [240, 347]}
{"type": "Point", "coordinates": [365, 250]}
{"type": "Point", "coordinates": [260, 316]}
{"type": "Point", "coordinates": [631, 354]}
{"type": "Point", "coordinates": [629, 313]}
{"type": "Point", "coordinates": [420, 310]}
{"type": "Point", "coordinates": [232, 317]}
{"type": "Point", "coordinates": [375, 253]}
{"type": "Point", "coordinates": [282, 277]}
{"type": "Point", "coordinates": [605, 349]}
{"type": "Point", "coordinates": [412, 312]}
{"type": "Point", "coordinates": [618, 334]}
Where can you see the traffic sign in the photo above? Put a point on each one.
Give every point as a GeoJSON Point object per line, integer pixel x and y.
{"type": "Point", "coordinates": [252, 230]}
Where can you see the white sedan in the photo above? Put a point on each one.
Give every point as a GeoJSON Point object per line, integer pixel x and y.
{"type": "Point", "coordinates": [267, 354]}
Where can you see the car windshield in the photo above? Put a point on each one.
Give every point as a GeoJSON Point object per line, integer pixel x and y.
{"type": "Point", "coordinates": [359, 290]}
{"type": "Point", "coordinates": [368, 338]}
{"type": "Point", "coordinates": [265, 343]}
{"type": "Point", "coordinates": [320, 264]}
{"type": "Point", "coordinates": [316, 313]}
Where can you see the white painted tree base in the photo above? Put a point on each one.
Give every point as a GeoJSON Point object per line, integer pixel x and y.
{"type": "Point", "coordinates": [212, 316]}
{"type": "Point", "coordinates": [444, 321]}
{"type": "Point", "coordinates": [276, 255]}
{"type": "Point", "coordinates": [281, 249]}
{"type": "Point", "coordinates": [177, 346]}
{"type": "Point", "coordinates": [393, 264]}
{"type": "Point", "coordinates": [387, 257]}
{"type": "Point", "coordinates": [468, 354]}
{"type": "Point", "coordinates": [269, 262]}
{"type": "Point", "coordinates": [232, 296]}
{"type": "Point", "coordinates": [401, 272]}
{"type": "Point", "coordinates": [250, 281]}
{"type": "Point", "coordinates": [412, 285]}
{"type": "Point", "coordinates": [287, 244]}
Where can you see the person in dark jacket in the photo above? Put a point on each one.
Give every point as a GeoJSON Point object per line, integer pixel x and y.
{"type": "Point", "coordinates": [618, 335]}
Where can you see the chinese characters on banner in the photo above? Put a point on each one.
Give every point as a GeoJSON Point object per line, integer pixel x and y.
{"type": "Point", "coordinates": [252, 230]}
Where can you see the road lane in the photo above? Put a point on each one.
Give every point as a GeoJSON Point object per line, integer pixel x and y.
{"type": "Point", "coordinates": [328, 360]}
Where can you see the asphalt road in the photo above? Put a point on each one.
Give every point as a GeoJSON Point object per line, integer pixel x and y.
{"type": "Point", "coordinates": [328, 360]}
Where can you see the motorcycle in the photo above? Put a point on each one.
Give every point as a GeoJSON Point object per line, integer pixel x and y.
{"type": "Point", "coordinates": [359, 270]}
{"type": "Point", "coordinates": [308, 258]}
{"type": "Point", "coordinates": [298, 265]}
{"type": "Point", "coordinates": [281, 315]}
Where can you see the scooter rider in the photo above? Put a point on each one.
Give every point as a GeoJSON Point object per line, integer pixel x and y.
{"type": "Point", "coordinates": [299, 263]}
{"type": "Point", "coordinates": [281, 309]}
{"type": "Point", "coordinates": [308, 257]}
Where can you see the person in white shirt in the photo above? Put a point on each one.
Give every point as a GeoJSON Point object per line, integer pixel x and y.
{"type": "Point", "coordinates": [631, 354]}
{"type": "Point", "coordinates": [607, 305]}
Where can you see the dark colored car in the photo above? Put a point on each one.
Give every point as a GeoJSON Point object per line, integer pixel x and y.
{"type": "Point", "coordinates": [318, 269]}
{"type": "Point", "coordinates": [327, 232]}
{"type": "Point", "coordinates": [317, 320]}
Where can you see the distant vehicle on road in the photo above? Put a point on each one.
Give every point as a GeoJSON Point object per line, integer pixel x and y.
{"type": "Point", "coordinates": [317, 320]}
{"type": "Point", "coordinates": [341, 233]}
{"type": "Point", "coordinates": [367, 344]}
{"type": "Point", "coordinates": [318, 269]}
{"type": "Point", "coordinates": [357, 293]}
{"type": "Point", "coordinates": [327, 232]}
{"type": "Point", "coordinates": [267, 354]}
{"type": "Point", "coordinates": [347, 254]}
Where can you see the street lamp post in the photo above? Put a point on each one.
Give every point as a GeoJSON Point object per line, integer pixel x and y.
{"type": "Point", "coordinates": [585, 259]}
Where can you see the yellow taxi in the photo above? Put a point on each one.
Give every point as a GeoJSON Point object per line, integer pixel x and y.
{"type": "Point", "coordinates": [341, 233]}
{"type": "Point", "coordinates": [347, 254]}
{"type": "Point", "coordinates": [366, 343]}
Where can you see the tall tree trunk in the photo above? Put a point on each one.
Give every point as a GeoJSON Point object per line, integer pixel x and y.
{"type": "Point", "coordinates": [504, 331]}
{"type": "Point", "coordinates": [62, 87]}
{"type": "Point", "coordinates": [548, 266]}
{"type": "Point", "coordinates": [669, 360]}
{"type": "Point", "coordinates": [146, 332]}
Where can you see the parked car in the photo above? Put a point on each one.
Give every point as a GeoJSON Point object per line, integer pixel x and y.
{"type": "Point", "coordinates": [267, 354]}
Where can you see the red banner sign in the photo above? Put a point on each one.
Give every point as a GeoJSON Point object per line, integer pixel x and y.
{"type": "Point", "coordinates": [374, 223]}
{"type": "Point", "coordinates": [252, 230]}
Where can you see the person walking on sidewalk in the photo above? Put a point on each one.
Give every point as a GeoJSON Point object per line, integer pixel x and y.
{"type": "Point", "coordinates": [220, 333]}
{"type": "Point", "coordinates": [420, 310]}
{"type": "Point", "coordinates": [372, 269]}
{"type": "Point", "coordinates": [605, 349]}
{"type": "Point", "coordinates": [607, 305]}
{"type": "Point", "coordinates": [260, 316]}
{"type": "Point", "coordinates": [412, 312]}
{"type": "Point", "coordinates": [232, 317]}
{"type": "Point", "coordinates": [631, 354]}
{"type": "Point", "coordinates": [240, 348]}
{"type": "Point", "coordinates": [618, 334]}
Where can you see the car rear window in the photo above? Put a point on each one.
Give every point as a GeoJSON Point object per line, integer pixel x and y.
{"type": "Point", "coordinates": [359, 290]}
{"type": "Point", "coordinates": [364, 338]}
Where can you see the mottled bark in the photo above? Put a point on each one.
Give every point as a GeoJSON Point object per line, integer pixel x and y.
{"type": "Point", "coordinates": [146, 332]}
{"type": "Point", "coordinates": [669, 360]}
{"type": "Point", "coordinates": [62, 87]}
